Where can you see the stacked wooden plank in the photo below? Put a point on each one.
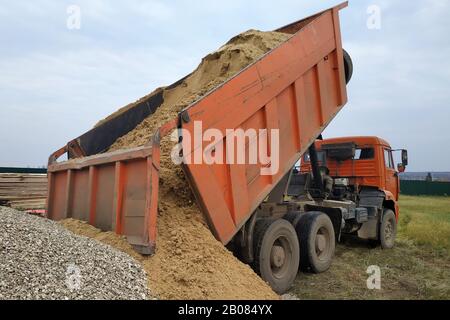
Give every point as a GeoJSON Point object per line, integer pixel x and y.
{"type": "Point", "coordinates": [23, 191]}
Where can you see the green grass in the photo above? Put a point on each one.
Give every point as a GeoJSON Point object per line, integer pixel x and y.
{"type": "Point", "coordinates": [426, 221]}
{"type": "Point", "coordinates": [407, 272]}
{"type": "Point", "coordinates": [417, 268]}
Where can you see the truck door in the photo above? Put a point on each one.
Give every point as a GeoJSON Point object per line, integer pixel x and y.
{"type": "Point", "coordinates": [391, 175]}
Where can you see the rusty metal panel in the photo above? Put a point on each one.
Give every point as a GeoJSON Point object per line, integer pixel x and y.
{"type": "Point", "coordinates": [114, 191]}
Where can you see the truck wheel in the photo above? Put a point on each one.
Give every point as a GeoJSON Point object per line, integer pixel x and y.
{"type": "Point", "coordinates": [317, 242]}
{"type": "Point", "coordinates": [348, 67]}
{"type": "Point", "coordinates": [293, 217]}
{"type": "Point", "coordinates": [388, 230]}
{"type": "Point", "coordinates": [276, 253]}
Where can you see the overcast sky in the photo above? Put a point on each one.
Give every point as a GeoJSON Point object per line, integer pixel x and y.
{"type": "Point", "coordinates": [56, 82]}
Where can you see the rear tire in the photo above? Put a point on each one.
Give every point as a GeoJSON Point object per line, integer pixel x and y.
{"type": "Point", "coordinates": [388, 230]}
{"type": "Point", "coordinates": [276, 253]}
{"type": "Point", "coordinates": [293, 217]}
{"type": "Point", "coordinates": [348, 66]}
{"type": "Point", "coordinates": [317, 242]}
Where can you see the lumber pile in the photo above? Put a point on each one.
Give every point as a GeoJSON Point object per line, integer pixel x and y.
{"type": "Point", "coordinates": [23, 191]}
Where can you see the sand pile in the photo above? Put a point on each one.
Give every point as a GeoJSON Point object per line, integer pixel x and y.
{"type": "Point", "coordinates": [215, 68]}
{"type": "Point", "coordinates": [189, 262]}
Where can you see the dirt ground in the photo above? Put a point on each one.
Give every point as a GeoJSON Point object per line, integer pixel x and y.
{"type": "Point", "coordinates": [417, 268]}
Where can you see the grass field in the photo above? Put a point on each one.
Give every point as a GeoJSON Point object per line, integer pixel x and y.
{"type": "Point", "coordinates": [417, 268]}
{"type": "Point", "coordinates": [426, 221]}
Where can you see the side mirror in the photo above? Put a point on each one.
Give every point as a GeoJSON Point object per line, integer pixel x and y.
{"type": "Point", "coordinates": [404, 158]}
{"type": "Point", "coordinates": [401, 168]}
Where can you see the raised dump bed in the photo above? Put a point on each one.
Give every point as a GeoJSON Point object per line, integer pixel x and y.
{"type": "Point", "coordinates": [297, 88]}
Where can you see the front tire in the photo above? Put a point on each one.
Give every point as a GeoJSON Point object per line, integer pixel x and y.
{"type": "Point", "coordinates": [276, 253]}
{"type": "Point", "coordinates": [317, 242]}
{"type": "Point", "coordinates": [388, 230]}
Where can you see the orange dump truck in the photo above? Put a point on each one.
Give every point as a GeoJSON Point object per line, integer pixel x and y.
{"type": "Point", "coordinates": [295, 89]}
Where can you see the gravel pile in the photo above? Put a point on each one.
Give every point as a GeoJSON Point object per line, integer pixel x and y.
{"type": "Point", "coordinates": [39, 259]}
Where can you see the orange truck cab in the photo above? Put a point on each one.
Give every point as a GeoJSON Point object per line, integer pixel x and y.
{"type": "Point", "coordinates": [354, 181]}
{"type": "Point", "coordinates": [359, 165]}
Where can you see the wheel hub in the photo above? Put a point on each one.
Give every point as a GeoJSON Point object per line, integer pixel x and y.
{"type": "Point", "coordinates": [321, 242]}
{"type": "Point", "coordinates": [388, 231]}
{"type": "Point", "coordinates": [277, 256]}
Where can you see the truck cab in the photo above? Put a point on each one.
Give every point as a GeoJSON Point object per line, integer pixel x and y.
{"type": "Point", "coordinates": [359, 166]}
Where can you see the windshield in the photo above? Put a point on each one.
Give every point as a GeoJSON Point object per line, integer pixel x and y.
{"type": "Point", "coordinates": [320, 156]}
{"type": "Point", "coordinates": [364, 153]}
